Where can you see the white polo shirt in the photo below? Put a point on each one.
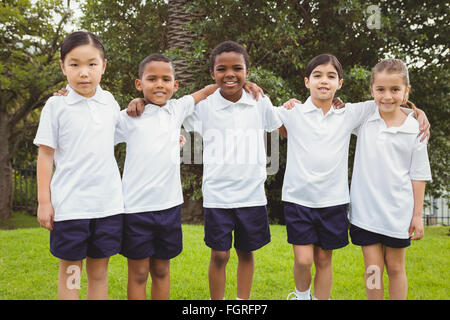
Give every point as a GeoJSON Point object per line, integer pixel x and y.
{"type": "Point", "coordinates": [316, 173]}
{"type": "Point", "coordinates": [386, 161]}
{"type": "Point", "coordinates": [151, 177]}
{"type": "Point", "coordinates": [86, 182]}
{"type": "Point", "coordinates": [234, 155]}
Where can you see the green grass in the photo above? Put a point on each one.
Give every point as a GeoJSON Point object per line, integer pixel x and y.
{"type": "Point", "coordinates": [29, 271]}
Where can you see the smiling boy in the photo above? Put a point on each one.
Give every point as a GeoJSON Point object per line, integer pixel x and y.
{"type": "Point", "coordinates": [151, 178]}
{"type": "Point", "coordinates": [232, 124]}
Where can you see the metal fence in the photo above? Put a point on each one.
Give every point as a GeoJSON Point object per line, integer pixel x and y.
{"type": "Point", "coordinates": [24, 195]}
{"type": "Point", "coordinates": [436, 210]}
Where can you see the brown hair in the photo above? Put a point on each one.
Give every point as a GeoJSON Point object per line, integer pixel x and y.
{"type": "Point", "coordinates": [80, 38]}
{"type": "Point", "coordinates": [394, 66]}
{"type": "Point", "coordinates": [324, 58]}
{"type": "Point", "coordinates": [153, 57]}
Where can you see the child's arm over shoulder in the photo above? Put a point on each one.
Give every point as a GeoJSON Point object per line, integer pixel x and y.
{"type": "Point", "coordinates": [357, 113]}
{"type": "Point", "coordinates": [424, 124]}
{"type": "Point", "coordinates": [271, 119]}
{"type": "Point", "coordinates": [204, 93]}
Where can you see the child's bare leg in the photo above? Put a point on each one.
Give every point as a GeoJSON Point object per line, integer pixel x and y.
{"type": "Point", "coordinates": [138, 271]}
{"type": "Point", "coordinates": [69, 279]}
{"type": "Point", "coordinates": [97, 273]}
{"type": "Point", "coordinates": [395, 267]}
{"type": "Point", "coordinates": [160, 272]}
{"type": "Point", "coordinates": [324, 273]}
{"type": "Point", "coordinates": [217, 275]}
{"type": "Point", "coordinates": [374, 268]}
{"type": "Point", "coordinates": [303, 260]}
{"type": "Point", "coordinates": [245, 270]}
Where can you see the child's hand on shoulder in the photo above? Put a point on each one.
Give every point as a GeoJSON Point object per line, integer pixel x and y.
{"type": "Point", "coordinates": [254, 89]}
{"type": "Point", "coordinates": [136, 107]}
{"type": "Point", "coordinates": [291, 103]}
{"type": "Point", "coordinates": [338, 103]}
{"type": "Point", "coordinates": [182, 140]}
{"type": "Point", "coordinates": [61, 92]}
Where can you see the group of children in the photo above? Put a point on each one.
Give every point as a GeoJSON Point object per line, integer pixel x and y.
{"type": "Point", "coordinates": [93, 213]}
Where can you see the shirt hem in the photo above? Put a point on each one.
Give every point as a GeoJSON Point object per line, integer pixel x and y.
{"type": "Point", "coordinates": [234, 205]}
{"type": "Point", "coordinates": [422, 178]}
{"type": "Point", "coordinates": [152, 208]}
{"type": "Point", "coordinates": [379, 231]}
{"type": "Point", "coordinates": [90, 215]}
{"type": "Point", "coordinates": [317, 205]}
{"type": "Point", "coordinates": [39, 142]}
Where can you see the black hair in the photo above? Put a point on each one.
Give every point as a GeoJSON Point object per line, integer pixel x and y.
{"type": "Point", "coordinates": [324, 58]}
{"type": "Point", "coordinates": [154, 57]}
{"type": "Point", "coordinates": [228, 46]}
{"type": "Point", "coordinates": [80, 38]}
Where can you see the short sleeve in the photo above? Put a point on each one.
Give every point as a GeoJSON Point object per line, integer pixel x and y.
{"type": "Point", "coordinates": [283, 113]}
{"type": "Point", "coordinates": [120, 133]}
{"type": "Point", "coordinates": [271, 119]}
{"type": "Point", "coordinates": [420, 164]}
{"type": "Point", "coordinates": [183, 108]}
{"type": "Point", "coordinates": [359, 112]}
{"type": "Point", "coordinates": [193, 122]}
{"type": "Point", "coordinates": [47, 132]}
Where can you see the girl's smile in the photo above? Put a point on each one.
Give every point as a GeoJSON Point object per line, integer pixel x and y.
{"type": "Point", "coordinates": [389, 91]}
{"type": "Point", "coordinates": [323, 84]}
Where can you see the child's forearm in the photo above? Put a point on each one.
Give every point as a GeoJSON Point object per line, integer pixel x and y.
{"type": "Point", "coordinates": [204, 93]}
{"type": "Point", "coordinates": [44, 171]}
{"type": "Point", "coordinates": [419, 194]}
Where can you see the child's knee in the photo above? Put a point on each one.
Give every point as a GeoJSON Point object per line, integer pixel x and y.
{"type": "Point", "coordinates": [303, 262]}
{"type": "Point", "coordinates": [395, 269]}
{"type": "Point", "coordinates": [322, 262]}
{"type": "Point", "coordinates": [98, 275]}
{"type": "Point", "coordinates": [220, 258]}
{"type": "Point", "coordinates": [138, 273]}
{"type": "Point", "coordinates": [160, 271]}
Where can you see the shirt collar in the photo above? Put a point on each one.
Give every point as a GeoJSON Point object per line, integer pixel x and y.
{"type": "Point", "coordinates": [309, 106]}
{"type": "Point", "coordinates": [73, 97]}
{"type": "Point", "coordinates": [221, 103]}
{"type": "Point", "coordinates": [151, 107]}
{"type": "Point", "coordinates": [410, 125]}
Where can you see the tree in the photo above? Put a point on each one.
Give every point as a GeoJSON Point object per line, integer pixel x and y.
{"type": "Point", "coordinates": [29, 74]}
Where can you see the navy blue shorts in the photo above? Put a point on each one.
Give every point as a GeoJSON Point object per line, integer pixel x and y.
{"type": "Point", "coordinates": [324, 227]}
{"type": "Point", "coordinates": [95, 238]}
{"type": "Point", "coordinates": [250, 226]}
{"type": "Point", "coordinates": [153, 234]}
{"type": "Point", "coordinates": [362, 237]}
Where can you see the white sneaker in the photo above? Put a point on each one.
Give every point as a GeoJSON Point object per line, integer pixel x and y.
{"type": "Point", "coordinates": [295, 296]}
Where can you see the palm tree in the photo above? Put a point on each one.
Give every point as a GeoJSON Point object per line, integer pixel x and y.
{"type": "Point", "coordinates": [179, 37]}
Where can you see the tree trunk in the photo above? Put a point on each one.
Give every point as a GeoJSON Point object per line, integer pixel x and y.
{"type": "Point", "coordinates": [179, 37]}
{"type": "Point", "coordinates": [5, 169]}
